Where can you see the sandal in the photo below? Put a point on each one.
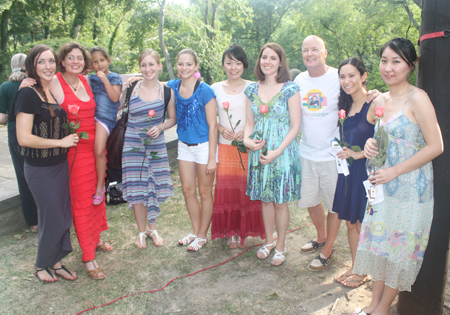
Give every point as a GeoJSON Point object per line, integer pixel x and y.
{"type": "Point", "coordinates": [241, 245]}
{"type": "Point", "coordinates": [54, 279]}
{"type": "Point", "coordinates": [359, 311]}
{"type": "Point", "coordinates": [160, 241]}
{"type": "Point", "coordinates": [103, 247]}
{"type": "Point", "coordinates": [98, 199]}
{"type": "Point", "coordinates": [278, 255]}
{"type": "Point", "coordinates": [354, 282]}
{"type": "Point", "coordinates": [186, 240]}
{"type": "Point", "coordinates": [265, 251]}
{"type": "Point", "coordinates": [320, 262]}
{"type": "Point", "coordinates": [97, 273]}
{"type": "Point", "coordinates": [232, 242]}
{"type": "Point", "coordinates": [142, 236]}
{"type": "Point", "coordinates": [72, 278]}
{"type": "Point", "coordinates": [196, 246]}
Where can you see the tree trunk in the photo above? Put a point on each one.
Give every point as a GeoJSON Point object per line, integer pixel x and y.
{"type": "Point", "coordinates": [4, 36]}
{"type": "Point", "coordinates": [80, 17]}
{"type": "Point", "coordinates": [163, 47]}
{"type": "Point", "coordinates": [427, 295]}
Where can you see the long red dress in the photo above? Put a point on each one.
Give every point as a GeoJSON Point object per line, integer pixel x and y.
{"type": "Point", "coordinates": [89, 220]}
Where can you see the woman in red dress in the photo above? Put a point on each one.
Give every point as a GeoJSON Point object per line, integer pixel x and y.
{"type": "Point", "coordinates": [71, 88]}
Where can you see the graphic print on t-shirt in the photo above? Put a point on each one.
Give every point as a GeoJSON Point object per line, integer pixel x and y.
{"type": "Point", "coordinates": [314, 100]}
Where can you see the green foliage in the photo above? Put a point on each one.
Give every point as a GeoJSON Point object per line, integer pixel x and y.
{"type": "Point", "coordinates": [350, 28]}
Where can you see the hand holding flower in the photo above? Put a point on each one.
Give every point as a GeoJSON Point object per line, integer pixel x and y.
{"type": "Point", "coordinates": [269, 157]}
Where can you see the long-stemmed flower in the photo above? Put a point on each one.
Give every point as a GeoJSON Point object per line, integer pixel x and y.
{"type": "Point", "coordinates": [239, 144]}
{"type": "Point", "coordinates": [256, 134]}
{"type": "Point", "coordinates": [381, 138]}
{"type": "Point", "coordinates": [73, 127]}
{"type": "Point", "coordinates": [342, 117]}
{"type": "Point", "coordinates": [153, 154]}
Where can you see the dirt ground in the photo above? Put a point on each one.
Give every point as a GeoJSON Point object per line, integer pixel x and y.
{"type": "Point", "coordinates": [244, 285]}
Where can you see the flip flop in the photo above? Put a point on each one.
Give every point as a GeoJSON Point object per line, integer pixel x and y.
{"type": "Point", "coordinates": [355, 283]}
{"type": "Point", "coordinates": [344, 276]}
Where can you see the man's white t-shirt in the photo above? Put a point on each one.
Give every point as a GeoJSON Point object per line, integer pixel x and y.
{"type": "Point", "coordinates": [319, 99]}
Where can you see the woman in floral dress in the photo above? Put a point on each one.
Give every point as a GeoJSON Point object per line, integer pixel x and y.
{"type": "Point", "coordinates": [272, 125]}
{"type": "Point", "coordinates": [394, 235]}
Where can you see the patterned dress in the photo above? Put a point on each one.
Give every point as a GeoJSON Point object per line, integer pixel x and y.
{"type": "Point", "coordinates": [145, 180]}
{"type": "Point", "coordinates": [280, 180]}
{"type": "Point", "coordinates": [393, 240]}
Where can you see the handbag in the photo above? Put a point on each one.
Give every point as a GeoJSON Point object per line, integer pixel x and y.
{"type": "Point", "coordinates": [114, 144]}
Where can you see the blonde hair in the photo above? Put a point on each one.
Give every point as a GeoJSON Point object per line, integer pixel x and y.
{"type": "Point", "coordinates": [189, 52]}
{"type": "Point", "coordinates": [150, 52]}
{"type": "Point", "coordinates": [18, 67]}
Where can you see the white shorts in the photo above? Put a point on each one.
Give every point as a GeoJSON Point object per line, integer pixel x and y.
{"type": "Point", "coordinates": [319, 181]}
{"type": "Point", "coordinates": [194, 153]}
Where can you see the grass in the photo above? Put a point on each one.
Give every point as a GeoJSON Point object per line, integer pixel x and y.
{"type": "Point", "coordinates": [245, 285]}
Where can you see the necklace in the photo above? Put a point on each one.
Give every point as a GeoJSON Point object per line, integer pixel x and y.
{"type": "Point", "coordinates": [234, 87]}
{"type": "Point", "coordinates": [73, 88]}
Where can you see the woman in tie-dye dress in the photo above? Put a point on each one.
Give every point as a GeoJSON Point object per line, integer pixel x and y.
{"type": "Point", "coordinates": [145, 166]}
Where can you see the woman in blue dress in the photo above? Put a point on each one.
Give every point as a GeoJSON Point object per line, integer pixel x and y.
{"type": "Point", "coordinates": [272, 125]}
{"type": "Point", "coordinates": [395, 234]}
{"type": "Point", "coordinates": [350, 197]}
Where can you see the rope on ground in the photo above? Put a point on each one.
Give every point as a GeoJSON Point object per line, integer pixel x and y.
{"type": "Point", "coordinates": [185, 276]}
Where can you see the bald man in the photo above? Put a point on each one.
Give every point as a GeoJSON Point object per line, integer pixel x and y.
{"type": "Point", "coordinates": [319, 91]}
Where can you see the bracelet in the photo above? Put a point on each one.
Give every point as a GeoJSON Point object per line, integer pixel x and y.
{"type": "Point", "coordinates": [282, 150]}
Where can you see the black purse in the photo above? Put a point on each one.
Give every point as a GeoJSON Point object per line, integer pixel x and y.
{"type": "Point", "coordinates": [114, 144]}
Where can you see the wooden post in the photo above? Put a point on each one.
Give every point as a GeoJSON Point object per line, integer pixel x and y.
{"type": "Point", "coordinates": [427, 296]}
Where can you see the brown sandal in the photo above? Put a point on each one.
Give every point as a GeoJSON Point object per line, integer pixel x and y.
{"type": "Point", "coordinates": [103, 247]}
{"type": "Point", "coordinates": [94, 273]}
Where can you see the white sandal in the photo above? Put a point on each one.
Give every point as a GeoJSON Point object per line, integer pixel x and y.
{"type": "Point", "coordinates": [359, 311]}
{"type": "Point", "coordinates": [157, 236]}
{"type": "Point", "coordinates": [186, 240]}
{"type": "Point", "coordinates": [196, 245]}
{"type": "Point", "coordinates": [142, 236]}
{"type": "Point", "coordinates": [279, 255]}
{"type": "Point", "coordinates": [265, 251]}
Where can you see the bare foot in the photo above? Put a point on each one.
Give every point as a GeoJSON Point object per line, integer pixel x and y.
{"type": "Point", "coordinates": [355, 281]}
{"type": "Point", "coordinates": [344, 276]}
{"type": "Point", "coordinates": [140, 241]}
{"type": "Point", "coordinates": [264, 251]}
{"type": "Point", "coordinates": [61, 271]}
{"type": "Point", "coordinates": [153, 234]}
{"type": "Point", "coordinates": [44, 275]}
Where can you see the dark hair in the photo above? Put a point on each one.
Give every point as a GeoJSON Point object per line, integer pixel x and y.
{"type": "Point", "coordinates": [283, 70]}
{"type": "Point", "coordinates": [67, 48]}
{"type": "Point", "coordinates": [345, 101]}
{"type": "Point", "coordinates": [100, 49]}
{"type": "Point", "coordinates": [190, 52]}
{"type": "Point", "coordinates": [404, 48]}
{"type": "Point", "coordinates": [30, 66]}
{"type": "Point", "coordinates": [235, 52]}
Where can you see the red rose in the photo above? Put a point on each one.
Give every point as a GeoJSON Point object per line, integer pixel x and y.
{"type": "Point", "coordinates": [379, 111]}
{"type": "Point", "coordinates": [225, 105]}
{"type": "Point", "coordinates": [342, 114]}
{"type": "Point", "coordinates": [74, 109]}
{"type": "Point", "coordinates": [263, 109]}
{"type": "Point", "coordinates": [151, 113]}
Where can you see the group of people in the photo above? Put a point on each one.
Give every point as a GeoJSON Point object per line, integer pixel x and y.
{"type": "Point", "coordinates": [243, 136]}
